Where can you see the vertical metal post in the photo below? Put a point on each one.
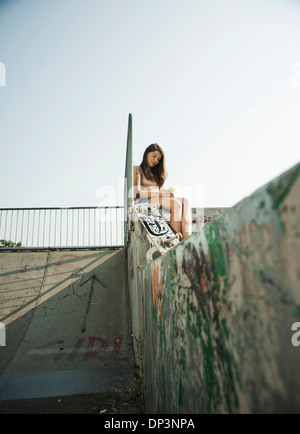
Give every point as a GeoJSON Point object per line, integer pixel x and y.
{"type": "Point", "coordinates": [110, 227]}
{"type": "Point", "coordinates": [44, 228]}
{"type": "Point", "coordinates": [50, 215]}
{"type": "Point", "coordinates": [11, 223]}
{"type": "Point", "coordinates": [22, 227]}
{"type": "Point", "coordinates": [67, 236]}
{"type": "Point", "coordinates": [61, 211]}
{"type": "Point", "coordinates": [89, 227]}
{"type": "Point", "coordinates": [38, 235]}
{"type": "Point", "coordinates": [16, 239]}
{"type": "Point", "coordinates": [5, 225]}
{"type": "Point", "coordinates": [105, 230]}
{"type": "Point", "coordinates": [94, 226]}
{"type": "Point", "coordinates": [128, 178]}
{"type": "Point", "coordinates": [72, 225]}
{"type": "Point", "coordinates": [33, 227]}
{"type": "Point", "coordinates": [27, 227]}
{"type": "Point", "coordinates": [83, 215]}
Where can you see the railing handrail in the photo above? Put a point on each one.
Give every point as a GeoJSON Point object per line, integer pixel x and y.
{"type": "Point", "coordinates": [63, 226]}
{"type": "Point", "coordinates": [59, 208]}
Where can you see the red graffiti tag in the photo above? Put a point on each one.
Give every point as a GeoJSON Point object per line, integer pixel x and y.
{"type": "Point", "coordinates": [96, 349]}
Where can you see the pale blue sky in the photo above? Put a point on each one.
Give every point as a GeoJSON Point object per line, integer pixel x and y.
{"type": "Point", "coordinates": [215, 83]}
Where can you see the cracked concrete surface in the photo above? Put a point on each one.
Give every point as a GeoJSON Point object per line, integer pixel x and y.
{"type": "Point", "coordinates": [64, 312]}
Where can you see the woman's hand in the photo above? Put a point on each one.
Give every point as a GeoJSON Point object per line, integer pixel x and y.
{"type": "Point", "coordinates": [165, 193]}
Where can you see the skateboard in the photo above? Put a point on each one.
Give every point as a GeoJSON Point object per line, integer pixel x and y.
{"type": "Point", "coordinates": [159, 233]}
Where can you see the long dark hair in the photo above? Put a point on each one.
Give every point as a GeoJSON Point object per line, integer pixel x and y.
{"type": "Point", "coordinates": [158, 172]}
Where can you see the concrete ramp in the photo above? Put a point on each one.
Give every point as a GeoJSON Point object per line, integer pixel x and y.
{"type": "Point", "coordinates": [67, 323]}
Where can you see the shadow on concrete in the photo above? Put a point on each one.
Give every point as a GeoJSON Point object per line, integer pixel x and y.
{"type": "Point", "coordinates": [67, 324]}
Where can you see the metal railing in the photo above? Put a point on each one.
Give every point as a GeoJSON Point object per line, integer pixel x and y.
{"type": "Point", "coordinates": [128, 179]}
{"type": "Point", "coordinates": [80, 227]}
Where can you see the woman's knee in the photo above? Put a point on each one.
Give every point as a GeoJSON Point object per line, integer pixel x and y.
{"type": "Point", "coordinates": [174, 205]}
{"type": "Point", "coordinates": [185, 202]}
{"type": "Point", "coordinates": [176, 209]}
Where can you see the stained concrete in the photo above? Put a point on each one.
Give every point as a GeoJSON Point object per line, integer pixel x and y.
{"type": "Point", "coordinates": [67, 323]}
{"type": "Point", "coordinates": [214, 315]}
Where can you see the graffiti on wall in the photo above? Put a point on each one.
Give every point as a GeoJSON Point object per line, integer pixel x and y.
{"type": "Point", "coordinates": [157, 288]}
{"type": "Point", "coordinates": [213, 343]}
{"type": "Point", "coordinates": [91, 348]}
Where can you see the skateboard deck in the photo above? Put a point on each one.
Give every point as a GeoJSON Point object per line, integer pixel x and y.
{"type": "Point", "coordinates": [159, 232]}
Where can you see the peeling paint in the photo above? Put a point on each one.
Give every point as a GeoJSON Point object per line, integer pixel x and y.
{"type": "Point", "coordinates": [219, 308]}
{"type": "Point", "coordinates": [157, 288]}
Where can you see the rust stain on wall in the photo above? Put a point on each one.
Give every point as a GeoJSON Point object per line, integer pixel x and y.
{"type": "Point", "coordinates": [157, 288]}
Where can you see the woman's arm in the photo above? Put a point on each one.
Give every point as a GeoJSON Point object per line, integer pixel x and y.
{"type": "Point", "coordinates": [138, 190]}
{"type": "Point", "coordinates": [144, 192]}
{"type": "Point", "coordinates": [165, 192]}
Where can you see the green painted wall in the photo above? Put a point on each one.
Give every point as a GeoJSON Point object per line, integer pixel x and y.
{"type": "Point", "coordinates": [215, 314]}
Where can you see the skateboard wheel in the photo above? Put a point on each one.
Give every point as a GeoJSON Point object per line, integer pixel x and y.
{"type": "Point", "coordinates": [179, 236]}
{"type": "Point", "coordinates": [159, 241]}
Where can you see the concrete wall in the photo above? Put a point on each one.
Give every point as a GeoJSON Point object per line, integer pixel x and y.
{"type": "Point", "coordinates": [67, 323]}
{"type": "Point", "coordinates": [215, 313]}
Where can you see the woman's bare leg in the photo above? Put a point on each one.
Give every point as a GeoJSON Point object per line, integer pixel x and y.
{"type": "Point", "coordinates": [186, 217]}
{"type": "Point", "coordinates": [181, 216]}
{"type": "Point", "coordinates": [175, 207]}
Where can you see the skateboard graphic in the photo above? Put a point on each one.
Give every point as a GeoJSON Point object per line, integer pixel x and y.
{"type": "Point", "coordinates": [158, 230]}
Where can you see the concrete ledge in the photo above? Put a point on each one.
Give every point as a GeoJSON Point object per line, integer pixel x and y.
{"type": "Point", "coordinates": [28, 385]}
{"type": "Point", "coordinates": [215, 314]}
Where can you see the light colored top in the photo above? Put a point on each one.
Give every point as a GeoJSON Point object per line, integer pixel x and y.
{"type": "Point", "coordinates": [145, 182]}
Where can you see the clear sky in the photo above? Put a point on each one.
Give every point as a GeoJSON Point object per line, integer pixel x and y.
{"type": "Point", "coordinates": [215, 83]}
